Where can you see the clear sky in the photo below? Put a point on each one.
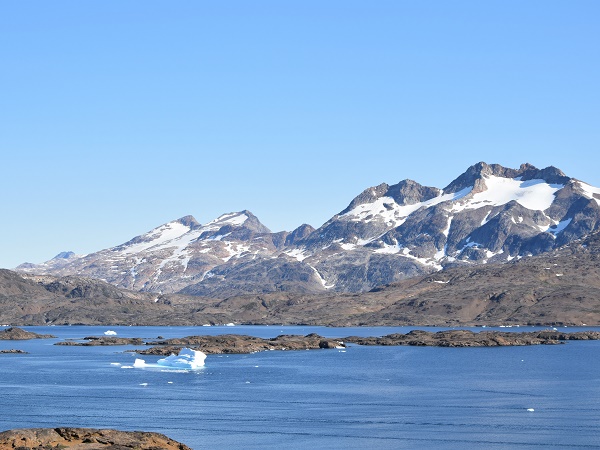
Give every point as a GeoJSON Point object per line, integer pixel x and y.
{"type": "Point", "coordinates": [118, 116]}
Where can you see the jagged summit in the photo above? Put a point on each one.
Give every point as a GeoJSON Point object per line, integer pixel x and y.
{"type": "Point", "coordinates": [188, 221]}
{"type": "Point", "coordinates": [489, 213]}
{"type": "Point", "coordinates": [64, 255]}
{"type": "Point", "coordinates": [473, 175]}
{"type": "Point", "coordinates": [406, 192]}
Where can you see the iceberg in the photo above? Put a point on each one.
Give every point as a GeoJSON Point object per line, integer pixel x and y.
{"type": "Point", "coordinates": [110, 333]}
{"type": "Point", "coordinates": [187, 359]}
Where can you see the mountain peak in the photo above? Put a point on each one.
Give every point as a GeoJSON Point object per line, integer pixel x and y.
{"type": "Point", "coordinates": [64, 255]}
{"type": "Point", "coordinates": [240, 219]}
{"type": "Point", "coordinates": [479, 171]}
{"type": "Point", "coordinates": [490, 213]}
{"type": "Point", "coordinates": [406, 192]}
{"type": "Point", "coordinates": [526, 171]}
{"type": "Point", "coordinates": [188, 221]}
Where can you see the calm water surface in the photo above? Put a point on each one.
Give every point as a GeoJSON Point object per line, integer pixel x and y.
{"type": "Point", "coordinates": [363, 397]}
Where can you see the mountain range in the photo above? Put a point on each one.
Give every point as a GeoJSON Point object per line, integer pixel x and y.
{"type": "Point", "coordinates": [560, 287]}
{"type": "Point", "coordinates": [389, 233]}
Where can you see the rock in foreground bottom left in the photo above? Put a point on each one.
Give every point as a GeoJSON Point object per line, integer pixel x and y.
{"type": "Point", "coordinates": [85, 439]}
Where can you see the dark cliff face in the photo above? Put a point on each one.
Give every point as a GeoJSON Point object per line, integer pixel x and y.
{"type": "Point", "coordinates": [387, 233]}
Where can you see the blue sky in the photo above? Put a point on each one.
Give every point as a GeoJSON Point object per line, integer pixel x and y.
{"type": "Point", "coordinates": [119, 116]}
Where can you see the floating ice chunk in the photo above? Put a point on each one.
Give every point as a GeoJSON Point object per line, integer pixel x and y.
{"type": "Point", "coordinates": [127, 367]}
{"type": "Point", "coordinates": [115, 364]}
{"type": "Point", "coordinates": [530, 409]}
{"type": "Point", "coordinates": [230, 324]}
{"type": "Point", "coordinates": [110, 333]}
{"type": "Point", "coordinates": [187, 359]}
{"type": "Point", "coordinates": [144, 384]}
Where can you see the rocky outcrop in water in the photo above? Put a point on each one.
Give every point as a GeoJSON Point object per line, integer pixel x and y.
{"type": "Point", "coordinates": [17, 334]}
{"type": "Point", "coordinates": [92, 341]}
{"type": "Point", "coordinates": [227, 343]}
{"type": "Point", "coordinates": [85, 439]}
{"type": "Point", "coordinates": [467, 338]}
{"type": "Point", "coordinates": [234, 343]}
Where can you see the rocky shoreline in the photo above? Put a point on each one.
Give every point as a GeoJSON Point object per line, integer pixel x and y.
{"type": "Point", "coordinates": [467, 338]}
{"type": "Point", "coordinates": [86, 439]}
{"type": "Point", "coordinates": [233, 343]}
{"type": "Point", "coordinates": [242, 344]}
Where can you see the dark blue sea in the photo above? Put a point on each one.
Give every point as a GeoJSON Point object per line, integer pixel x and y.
{"type": "Point", "coordinates": [357, 398]}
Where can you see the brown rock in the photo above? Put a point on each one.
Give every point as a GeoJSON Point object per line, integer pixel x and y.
{"type": "Point", "coordinates": [85, 439]}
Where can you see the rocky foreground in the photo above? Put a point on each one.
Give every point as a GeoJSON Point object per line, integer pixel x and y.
{"type": "Point", "coordinates": [234, 343]}
{"type": "Point", "coordinates": [85, 439]}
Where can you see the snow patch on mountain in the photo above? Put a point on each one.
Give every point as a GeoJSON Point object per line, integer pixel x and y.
{"type": "Point", "coordinates": [531, 194]}
{"type": "Point", "coordinates": [590, 191]}
{"type": "Point", "coordinates": [404, 251]}
{"type": "Point", "coordinates": [393, 214]}
{"type": "Point", "coordinates": [557, 227]}
{"type": "Point", "coordinates": [297, 253]}
{"type": "Point", "coordinates": [155, 238]}
{"type": "Point", "coordinates": [234, 219]}
{"type": "Point", "coordinates": [321, 279]}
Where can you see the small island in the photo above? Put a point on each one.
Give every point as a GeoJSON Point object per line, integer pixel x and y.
{"type": "Point", "coordinates": [13, 351]}
{"type": "Point", "coordinates": [18, 334]}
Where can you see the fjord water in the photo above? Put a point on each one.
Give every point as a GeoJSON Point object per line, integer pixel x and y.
{"type": "Point", "coordinates": [361, 397]}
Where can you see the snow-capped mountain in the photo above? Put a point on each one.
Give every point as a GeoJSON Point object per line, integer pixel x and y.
{"type": "Point", "coordinates": [488, 214]}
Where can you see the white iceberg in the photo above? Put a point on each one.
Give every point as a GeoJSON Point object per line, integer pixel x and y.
{"type": "Point", "coordinates": [187, 359]}
{"type": "Point", "coordinates": [110, 333]}
{"type": "Point", "coordinates": [139, 363]}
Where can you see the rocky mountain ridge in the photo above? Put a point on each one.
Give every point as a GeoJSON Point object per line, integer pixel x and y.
{"type": "Point", "coordinates": [386, 234]}
{"type": "Point", "coordinates": [560, 287]}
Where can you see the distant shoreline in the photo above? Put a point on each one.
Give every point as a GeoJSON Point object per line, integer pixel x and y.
{"type": "Point", "coordinates": [242, 344]}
